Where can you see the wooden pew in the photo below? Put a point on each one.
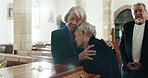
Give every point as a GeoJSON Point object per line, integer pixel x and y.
{"type": "Point", "coordinates": [78, 72]}
{"type": "Point", "coordinates": [19, 58]}
{"type": "Point", "coordinates": [10, 63]}
{"type": "Point", "coordinates": [47, 70]}
{"type": "Point", "coordinates": [8, 48]}
{"type": "Point", "coordinates": [115, 43]}
{"type": "Point", "coordinates": [41, 46]}
{"type": "Point", "coordinates": [14, 63]}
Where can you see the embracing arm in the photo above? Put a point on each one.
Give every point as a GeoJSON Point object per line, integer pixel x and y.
{"type": "Point", "coordinates": [87, 53]}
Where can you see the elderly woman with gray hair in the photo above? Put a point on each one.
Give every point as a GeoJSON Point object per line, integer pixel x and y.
{"type": "Point", "coordinates": [104, 62]}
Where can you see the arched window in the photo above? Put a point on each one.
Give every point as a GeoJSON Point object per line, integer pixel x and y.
{"type": "Point", "coordinates": [123, 17]}
{"type": "Point", "coordinates": [10, 11]}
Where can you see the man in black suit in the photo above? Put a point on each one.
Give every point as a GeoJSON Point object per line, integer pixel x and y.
{"type": "Point", "coordinates": [133, 44]}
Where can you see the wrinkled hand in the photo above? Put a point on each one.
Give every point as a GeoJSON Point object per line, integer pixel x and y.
{"type": "Point", "coordinates": [129, 65]}
{"type": "Point", "coordinates": [134, 66]}
{"type": "Point", "coordinates": [109, 43]}
{"type": "Point", "coordinates": [87, 53]}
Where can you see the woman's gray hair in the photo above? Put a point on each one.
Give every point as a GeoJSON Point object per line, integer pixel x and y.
{"type": "Point", "coordinates": [78, 10]}
{"type": "Point", "coordinates": [90, 29]}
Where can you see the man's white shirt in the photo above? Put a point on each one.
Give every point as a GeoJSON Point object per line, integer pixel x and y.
{"type": "Point", "coordinates": [138, 33]}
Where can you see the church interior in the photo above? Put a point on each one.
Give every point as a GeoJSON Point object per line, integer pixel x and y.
{"type": "Point", "coordinates": [26, 26]}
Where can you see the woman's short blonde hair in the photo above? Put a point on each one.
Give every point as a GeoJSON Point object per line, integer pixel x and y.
{"type": "Point", "coordinates": [78, 10]}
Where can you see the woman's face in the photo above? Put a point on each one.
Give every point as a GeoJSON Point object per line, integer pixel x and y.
{"type": "Point", "coordinates": [73, 21]}
{"type": "Point", "coordinates": [79, 39]}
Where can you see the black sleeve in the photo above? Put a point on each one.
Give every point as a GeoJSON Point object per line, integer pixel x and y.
{"type": "Point", "coordinates": [55, 48]}
{"type": "Point", "coordinates": [61, 52]}
{"type": "Point", "coordinates": [122, 47]}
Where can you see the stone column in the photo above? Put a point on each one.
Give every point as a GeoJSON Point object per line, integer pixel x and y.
{"type": "Point", "coordinates": [107, 19]}
{"type": "Point", "coordinates": [81, 3]}
{"type": "Point", "coordinates": [22, 11]}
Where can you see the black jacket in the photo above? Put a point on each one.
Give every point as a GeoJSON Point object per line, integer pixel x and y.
{"type": "Point", "coordinates": [104, 63]}
{"type": "Point", "coordinates": [63, 51]}
{"type": "Point", "coordinates": [125, 47]}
